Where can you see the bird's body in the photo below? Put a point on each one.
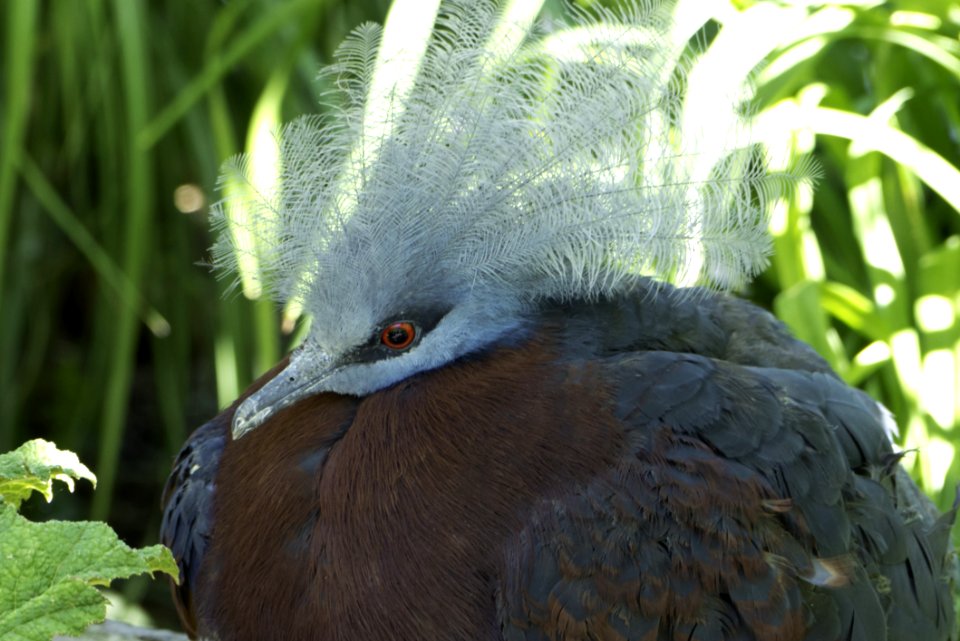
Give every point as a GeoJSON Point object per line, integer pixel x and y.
{"type": "Point", "coordinates": [503, 424]}
{"type": "Point", "coordinates": [656, 467]}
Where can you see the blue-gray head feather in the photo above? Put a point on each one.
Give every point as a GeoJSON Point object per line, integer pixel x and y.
{"type": "Point", "coordinates": [547, 168]}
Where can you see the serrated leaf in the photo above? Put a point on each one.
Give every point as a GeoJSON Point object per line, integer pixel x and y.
{"type": "Point", "coordinates": [34, 466]}
{"type": "Point", "coordinates": [48, 570]}
{"type": "Point", "coordinates": [66, 608]}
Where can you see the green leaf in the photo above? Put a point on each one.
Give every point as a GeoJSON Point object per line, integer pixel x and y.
{"type": "Point", "coordinates": [49, 570]}
{"type": "Point", "coordinates": [853, 308]}
{"type": "Point", "coordinates": [801, 308]}
{"type": "Point", "coordinates": [34, 466]}
{"type": "Point", "coordinates": [873, 134]}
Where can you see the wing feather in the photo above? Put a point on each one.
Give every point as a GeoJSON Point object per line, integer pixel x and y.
{"type": "Point", "coordinates": [754, 501]}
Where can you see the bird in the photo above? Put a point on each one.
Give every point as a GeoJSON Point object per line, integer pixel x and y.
{"type": "Point", "coordinates": [528, 406]}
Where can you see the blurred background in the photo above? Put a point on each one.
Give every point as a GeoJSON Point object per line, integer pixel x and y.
{"type": "Point", "coordinates": [116, 340]}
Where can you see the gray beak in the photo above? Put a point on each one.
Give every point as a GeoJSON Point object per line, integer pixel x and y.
{"type": "Point", "coordinates": [302, 377]}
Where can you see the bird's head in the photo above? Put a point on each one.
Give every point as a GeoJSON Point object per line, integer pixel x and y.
{"type": "Point", "coordinates": [360, 343]}
{"type": "Point", "coordinates": [514, 170]}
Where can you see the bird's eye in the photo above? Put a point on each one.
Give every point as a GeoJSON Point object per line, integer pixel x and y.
{"type": "Point", "coordinates": [399, 335]}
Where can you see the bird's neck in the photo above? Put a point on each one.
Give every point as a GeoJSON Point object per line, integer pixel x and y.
{"type": "Point", "coordinates": [388, 517]}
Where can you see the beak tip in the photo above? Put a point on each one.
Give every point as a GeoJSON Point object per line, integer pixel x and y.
{"type": "Point", "coordinates": [245, 418]}
{"type": "Point", "coordinates": [293, 383]}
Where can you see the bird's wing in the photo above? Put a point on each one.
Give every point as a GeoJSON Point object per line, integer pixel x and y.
{"type": "Point", "coordinates": [750, 503]}
{"type": "Point", "coordinates": [188, 508]}
{"type": "Point", "coordinates": [188, 500]}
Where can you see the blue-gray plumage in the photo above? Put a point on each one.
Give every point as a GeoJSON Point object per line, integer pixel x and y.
{"type": "Point", "coordinates": [503, 424]}
{"type": "Point", "coordinates": [748, 494]}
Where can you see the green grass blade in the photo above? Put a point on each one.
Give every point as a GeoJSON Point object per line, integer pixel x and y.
{"type": "Point", "coordinates": [929, 166]}
{"type": "Point", "coordinates": [139, 191]}
{"type": "Point", "coordinates": [260, 31]}
{"type": "Point", "coordinates": [21, 26]}
{"type": "Point", "coordinates": [99, 258]}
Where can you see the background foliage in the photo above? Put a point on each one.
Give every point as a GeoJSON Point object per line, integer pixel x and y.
{"type": "Point", "coordinates": [115, 116]}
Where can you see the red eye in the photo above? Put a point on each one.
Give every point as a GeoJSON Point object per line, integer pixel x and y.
{"type": "Point", "coordinates": [399, 335]}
